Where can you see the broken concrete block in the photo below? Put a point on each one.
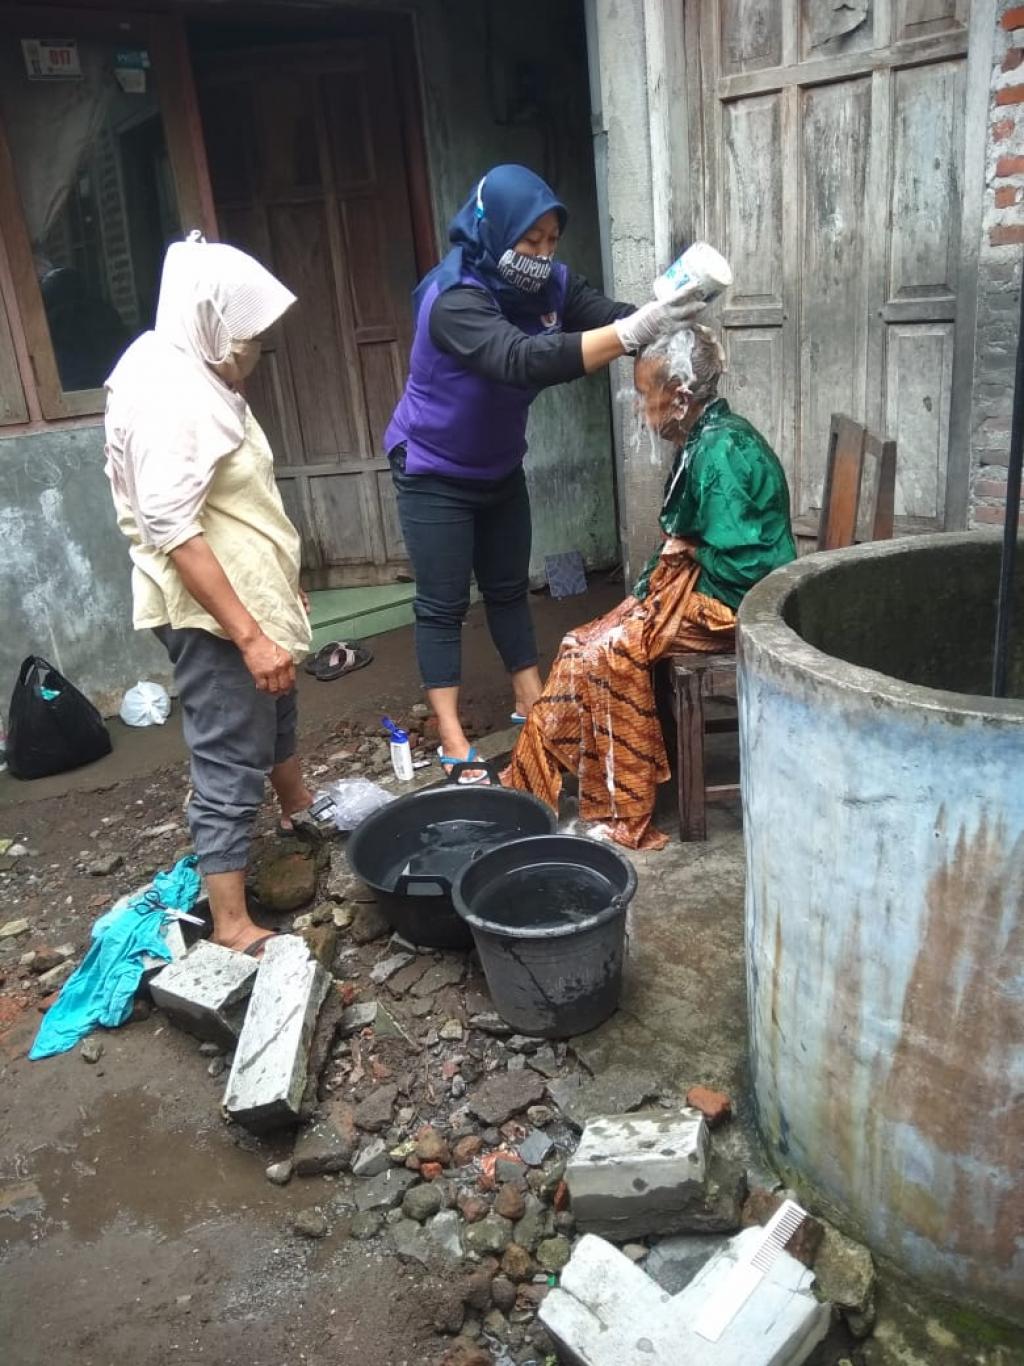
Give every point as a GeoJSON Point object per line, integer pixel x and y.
{"type": "Point", "coordinates": [204, 991]}
{"type": "Point", "coordinates": [608, 1312]}
{"type": "Point", "coordinates": [175, 941]}
{"type": "Point", "coordinates": [268, 1076]}
{"type": "Point", "coordinates": [639, 1174]}
{"type": "Point", "coordinates": [673, 1262]}
{"type": "Point", "coordinates": [845, 1273]}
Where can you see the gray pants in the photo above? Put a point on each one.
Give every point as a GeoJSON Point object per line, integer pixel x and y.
{"type": "Point", "coordinates": [235, 735]}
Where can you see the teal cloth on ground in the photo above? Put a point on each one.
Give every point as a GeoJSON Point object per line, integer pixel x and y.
{"type": "Point", "coordinates": [102, 988]}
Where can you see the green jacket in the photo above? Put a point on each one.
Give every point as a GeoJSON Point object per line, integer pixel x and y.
{"type": "Point", "coordinates": [728, 492]}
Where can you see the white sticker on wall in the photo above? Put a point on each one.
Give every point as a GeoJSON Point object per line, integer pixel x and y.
{"type": "Point", "coordinates": [51, 59]}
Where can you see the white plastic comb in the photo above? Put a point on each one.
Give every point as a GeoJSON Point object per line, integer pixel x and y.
{"type": "Point", "coordinates": [748, 1272]}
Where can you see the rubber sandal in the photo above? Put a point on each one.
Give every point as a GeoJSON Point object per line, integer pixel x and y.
{"type": "Point", "coordinates": [464, 780]}
{"type": "Point", "coordinates": [255, 949]}
{"type": "Point", "coordinates": [310, 662]}
{"type": "Point", "coordinates": [517, 718]}
{"type": "Point", "coordinates": [343, 658]}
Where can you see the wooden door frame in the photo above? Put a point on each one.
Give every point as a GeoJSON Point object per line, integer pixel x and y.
{"type": "Point", "coordinates": [705, 186]}
{"type": "Point", "coordinates": [401, 31]}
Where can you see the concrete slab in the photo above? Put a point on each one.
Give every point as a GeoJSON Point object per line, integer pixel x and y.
{"type": "Point", "coordinates": [204, 991]}
{"type": "Point", "coordinates": [639, 1174]}
{"type": "Point", "coordinates": [268, 1076]}
{"type": "Point", "coordinates": [608, 1312]}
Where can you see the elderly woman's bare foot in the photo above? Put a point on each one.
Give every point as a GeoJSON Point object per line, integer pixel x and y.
{"type": "Point", "coordinates": [250, 939]}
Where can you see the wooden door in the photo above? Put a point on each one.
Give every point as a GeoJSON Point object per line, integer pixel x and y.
{"type": "Point", "coordinates": [832, 176]}
{"type": "Point", "coordinates": [308, 173]}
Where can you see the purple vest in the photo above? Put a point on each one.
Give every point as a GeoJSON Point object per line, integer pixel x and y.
{"type": "Point", "coordinates": [457, 423]}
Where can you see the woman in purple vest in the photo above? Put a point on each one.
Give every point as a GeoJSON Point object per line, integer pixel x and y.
{"type": "Point", "coordinates": [497, 321]}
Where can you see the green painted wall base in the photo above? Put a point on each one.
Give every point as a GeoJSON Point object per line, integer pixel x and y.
{"type": "Point", "coordinates": [355, 613]}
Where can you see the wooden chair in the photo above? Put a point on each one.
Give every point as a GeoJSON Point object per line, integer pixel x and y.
{"type": "Point", "coordinates": [857, 505]}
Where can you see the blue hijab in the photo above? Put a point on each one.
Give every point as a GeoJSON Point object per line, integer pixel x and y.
{"type": "Point", "coordinates": [500, 210]}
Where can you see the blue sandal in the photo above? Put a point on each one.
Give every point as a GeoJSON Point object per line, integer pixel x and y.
{"type": "Point", "coordinates": [464, 779]}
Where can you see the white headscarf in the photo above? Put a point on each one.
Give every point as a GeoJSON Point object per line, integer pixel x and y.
{"type": "Point", "coordinates": [169, 417]}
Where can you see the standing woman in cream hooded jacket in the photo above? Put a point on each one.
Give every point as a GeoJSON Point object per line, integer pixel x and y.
{"type": "Point", "coordinates": [215, 559]}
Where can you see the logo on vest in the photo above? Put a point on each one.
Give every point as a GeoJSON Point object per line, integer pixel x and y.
{"type": "Point", "coordinates": [550, 321]}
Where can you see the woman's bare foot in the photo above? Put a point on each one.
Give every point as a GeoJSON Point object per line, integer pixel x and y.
{"type": "Point", "coordinates": [252, 940]}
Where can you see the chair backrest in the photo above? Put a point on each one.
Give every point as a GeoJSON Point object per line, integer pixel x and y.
{"type": "Point", "coordinates": [860, 486]}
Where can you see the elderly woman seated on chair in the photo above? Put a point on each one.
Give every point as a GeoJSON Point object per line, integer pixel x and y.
{"type": "Point", "coordinates": [725, 523]}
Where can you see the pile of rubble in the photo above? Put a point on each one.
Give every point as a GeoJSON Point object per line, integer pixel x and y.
{"type": "Point", "coordinates": [424, 1124]}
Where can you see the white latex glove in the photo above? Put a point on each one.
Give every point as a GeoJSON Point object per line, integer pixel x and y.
{"type": "Point", "coordinates": [656, 319]}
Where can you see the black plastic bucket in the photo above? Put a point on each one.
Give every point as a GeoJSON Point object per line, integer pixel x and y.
{"type": "Point", "coordinates": [548, 916]}
{"type": "Point", "coordinates": [411, 850]}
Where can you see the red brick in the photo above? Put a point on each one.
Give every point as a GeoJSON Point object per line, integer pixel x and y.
{"type": "Point", "coordinates": [990, 516]}
{"type": "Point", "coordinates": [430, 1171]}
{"type": "Point", "coordinates": [1010, 166]}
{"type": "Point", "coordinates": [1010, 94]}
{"type": "Point", "coordinates": [1013, 18]}
{"type": "Point", "coordinates": [1002, 129]}
{"type": "Point", "coordinates": [1006, 236]}
{"type": "Point", "coordinates": [1013, 59]}
{"type": "Point", "coordinates": [760, 1207]}
{"type": "Point", "coordinates": [990, 488]}
{"type": "Point", "coordinates": [715, 1106]}
{"type": "Point", "coordinates": [1006, 196]}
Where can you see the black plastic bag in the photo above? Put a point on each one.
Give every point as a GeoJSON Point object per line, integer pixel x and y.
{"type": "Point", "coordinates": [51, 726]}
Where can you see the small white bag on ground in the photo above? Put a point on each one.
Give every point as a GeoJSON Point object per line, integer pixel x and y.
{"type": "Point", "coordinates": [147, 704]}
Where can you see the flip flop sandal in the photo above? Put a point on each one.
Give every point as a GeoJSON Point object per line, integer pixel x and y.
{"type": "Point", "coordinates": [464, 779]}
{"type": "Point", "coordinates": [517, 718]}
{"type": "Point", "coordinates": [310, 662]}
{"type": "Point", "coordinates": [341, 658]}
{"type": "Point", "coordinates": [255, 949]}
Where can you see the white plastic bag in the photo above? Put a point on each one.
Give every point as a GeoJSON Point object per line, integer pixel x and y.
{"type": "Point", "coordinates": [147, 704]}
{"type": "Point", "coordinates": [352, 800]}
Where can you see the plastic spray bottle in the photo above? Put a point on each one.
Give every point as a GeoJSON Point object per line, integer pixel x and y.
{"type": "Point", "coordinates": [401, 753]}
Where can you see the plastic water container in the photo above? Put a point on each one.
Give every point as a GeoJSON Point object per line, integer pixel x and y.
{"type": "Point", "coordinates": [699, 264]}
{"type": "Point", "coordinates": [401, 753]}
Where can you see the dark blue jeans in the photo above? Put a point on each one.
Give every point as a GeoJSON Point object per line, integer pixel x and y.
{"type": "Point", "coordinates": [455, 529]}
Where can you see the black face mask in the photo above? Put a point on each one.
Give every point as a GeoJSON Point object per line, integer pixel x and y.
{"type": "Point", "coordinates": [528, 274]}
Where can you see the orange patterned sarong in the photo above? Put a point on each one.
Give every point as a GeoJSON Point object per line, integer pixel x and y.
{"type": "Point", "coordinates": [597, 715]}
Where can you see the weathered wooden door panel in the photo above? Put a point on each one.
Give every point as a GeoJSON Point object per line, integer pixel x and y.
{"type": "Point", "coordinates": [308, 170]}
{"type": "Point", "coordinates": [832, 323]}
{"type": "Point", "coordinates": [832, 175]}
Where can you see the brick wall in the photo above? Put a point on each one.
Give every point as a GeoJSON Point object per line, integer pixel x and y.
{"type": "Point", "coordinates": [999, 272]}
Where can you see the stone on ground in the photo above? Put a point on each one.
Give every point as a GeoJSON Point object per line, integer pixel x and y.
{"type": "Point", "coordinates": [421, 1202]}
{"type": "Point", "coordinates": [368, 925]}
{"type": "Point", "coordinates": [286, 881]}
{"type": "Point", "coordinates": [845, 1273]}
{"type": "Point", "coordinates": [374, 1113]}
{"type": "Point", "coordinates": [326, 1145]}
{"type": "Point", "coordinates": [268, 1076]}
{"type": "Point", "coordinates": [371, 1159]}
{"type": "Point", "coordinates": [385, 1191]}
{"type": "Point", "coordinates": [204, 992]}
{"type": "Point", "coordinates": [92, 1050]}
{"type": "Point", "coordinates": [279, 1173]}
{"type": "Point", "coordinates": [616, 1091]}
{"type": "Point", "coordinates": [491, 1235]}
{"type": "Point", "coordinates": [366, 1225]}
{"type": "Point", "coordinates": [310, 1223]}
{"type": "Point", "coordinates": [639, 1174]}
{"type": "Point", "coordinates": [505, 1094]}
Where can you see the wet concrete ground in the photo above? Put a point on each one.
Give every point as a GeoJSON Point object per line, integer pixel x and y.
{"type": "Point", "coordinates": [133, 1229]}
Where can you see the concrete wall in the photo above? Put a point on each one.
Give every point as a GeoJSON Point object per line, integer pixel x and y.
{"type": "Point", "coordinates": [884, 828]}
{"type": "Point", "coordinates": [999, 270]}
{"type": "Point", "coordinates": [64, 568]}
